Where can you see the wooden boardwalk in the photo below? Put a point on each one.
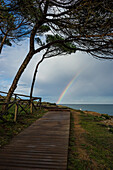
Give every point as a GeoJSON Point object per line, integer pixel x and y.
{"type": "Point", "coordinates": [43, 145]}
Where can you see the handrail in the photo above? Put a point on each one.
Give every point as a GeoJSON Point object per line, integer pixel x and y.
{"type": "Point", "coordinates": [18, 103]}
{"type": "Point", "coordinates": [20, 95]}
{"type": "Point", "coordinates": [3, 103]}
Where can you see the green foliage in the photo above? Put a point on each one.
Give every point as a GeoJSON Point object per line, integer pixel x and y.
{"type": "Point", "coordinates": [68, 47]}
{"type": "Point", "coordinates": [30, 10]}
{"type": "Point", "coordinates": [43, 29]}
{"type": "Point", "coordinates": [13, 27]}
{"type": "Point", "coordinates": [105, 116]}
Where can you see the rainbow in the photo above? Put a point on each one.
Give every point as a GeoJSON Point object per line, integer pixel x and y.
{"type": "Point", "coordinates": [67, 87]}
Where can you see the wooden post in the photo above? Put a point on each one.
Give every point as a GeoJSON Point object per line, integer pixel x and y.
{"type": "Point", "coordinates": [40, 103]}
{"type": "Point", "coordinates": [16, 112]}
{"type": "Point", "coordinates": [31, 106]}
{"type": "Point", "coordinates": [15, 97]}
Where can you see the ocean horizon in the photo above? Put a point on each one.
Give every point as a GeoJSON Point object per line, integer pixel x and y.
{"type": "Point", "coordinates": [100, 108]}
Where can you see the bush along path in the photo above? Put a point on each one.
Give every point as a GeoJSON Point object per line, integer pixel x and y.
{"type": "Point", "coordinates": [91, 141]}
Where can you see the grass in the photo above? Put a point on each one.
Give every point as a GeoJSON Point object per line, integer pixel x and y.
{"type": "Point", "coordinates": [99, 141]}
{"type": "Point", "coordinates": [74, 162]}
{"type": "Point", "coordinates": [97, 144]}
{"type": "Point", "coordinates": [9, 129]}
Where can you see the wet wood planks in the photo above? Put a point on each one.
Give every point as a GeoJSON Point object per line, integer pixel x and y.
{"type": "Point", "coordinates": [43, 145]}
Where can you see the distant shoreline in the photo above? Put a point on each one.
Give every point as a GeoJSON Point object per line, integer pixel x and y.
{"type": "Point", "coordinates": [108, 121]}
{"type": "Point", "coordinates": [99, 108]}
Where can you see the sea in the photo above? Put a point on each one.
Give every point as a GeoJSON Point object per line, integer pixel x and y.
{"type": "Point", "coordinates": [100, 108]}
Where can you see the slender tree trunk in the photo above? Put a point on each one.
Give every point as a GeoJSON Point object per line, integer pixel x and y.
{"type": "Point", "coordinates": [3, 40]}
{"type": "Point", "coordinates": [24, 64]}
{"type": "Point", "coordinates": [34, 77]}
{"type": "Point", "coordinates": [18, 75]}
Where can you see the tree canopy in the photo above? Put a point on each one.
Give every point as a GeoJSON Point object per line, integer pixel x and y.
{"type": "Point", "coordinates": [88, 24]}
{"type": "Point", "coordinates": [13, 26]}
{"type": "Point", "coordinates": [67, 26]}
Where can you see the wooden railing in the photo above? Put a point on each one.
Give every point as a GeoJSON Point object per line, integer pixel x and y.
{"type": "Point", "coordinates": [21, 102]}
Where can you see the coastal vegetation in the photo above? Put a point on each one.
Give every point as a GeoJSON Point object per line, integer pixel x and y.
{"type": "Point", "coordinates": [91, 141]}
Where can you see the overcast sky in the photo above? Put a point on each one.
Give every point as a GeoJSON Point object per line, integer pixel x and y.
{"type": "Point", "coordinates": [93, 81]}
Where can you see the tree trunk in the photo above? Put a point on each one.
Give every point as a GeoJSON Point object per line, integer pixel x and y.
{"type": "Point", "coordinates": [34, 77]}
{"type": "Point", "coordinates": [18, 75]}
{"type": "Point", "coordinates": [3, 40]}
{"type": "Point", "coordinates": [25, 62]}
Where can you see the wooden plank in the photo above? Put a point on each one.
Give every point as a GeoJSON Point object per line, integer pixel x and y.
{"type": "Point", "coordinates": [43, 145]}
